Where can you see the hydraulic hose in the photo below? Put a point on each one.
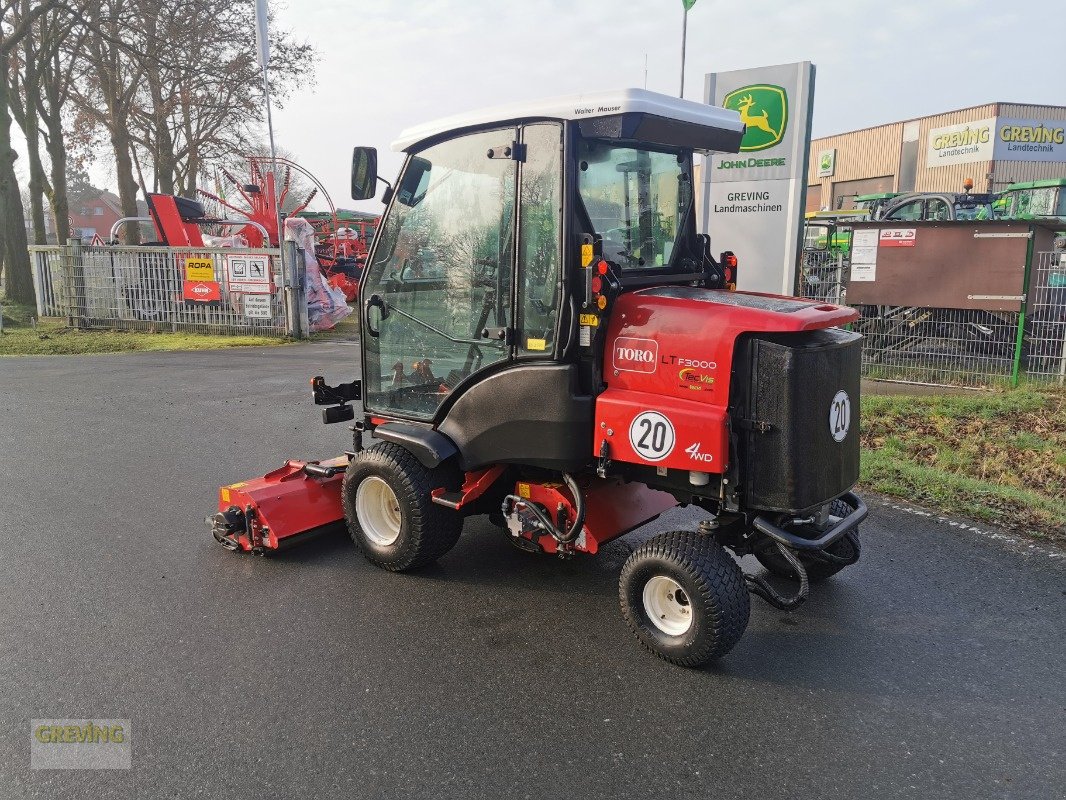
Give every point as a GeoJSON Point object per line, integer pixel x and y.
{"type": "Point", "coordinates": [511, 501]}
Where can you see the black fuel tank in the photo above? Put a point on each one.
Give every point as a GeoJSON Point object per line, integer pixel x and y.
{"type": "Point", "coordinates": [796, 412]}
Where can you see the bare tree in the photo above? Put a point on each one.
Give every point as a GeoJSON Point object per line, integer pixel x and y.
{"type": "Point", "coordinates": [17, 19]}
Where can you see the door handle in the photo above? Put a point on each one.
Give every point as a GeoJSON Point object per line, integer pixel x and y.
{"type": "Point", "coordinates": [372, 301]}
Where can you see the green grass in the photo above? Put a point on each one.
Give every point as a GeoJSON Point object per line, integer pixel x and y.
{"type": "Point", "coordinates": [51, 337]}
{"type": "Point", "coordinates": [998, 457]}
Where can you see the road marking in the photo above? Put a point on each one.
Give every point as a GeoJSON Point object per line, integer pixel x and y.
{"type": "Point", "coordinates": [1018, 541]}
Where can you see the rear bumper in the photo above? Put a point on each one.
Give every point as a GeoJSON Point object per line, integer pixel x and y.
{"type": "Point", "coordinates": [850, 522]}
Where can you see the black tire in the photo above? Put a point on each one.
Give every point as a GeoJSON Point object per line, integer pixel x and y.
{"type": "Point", "coordinates": [714, 591]}
{"type": "Point", "coordinates": [846, 547]}
{"type": "Point", "coordinates": [426, 531]}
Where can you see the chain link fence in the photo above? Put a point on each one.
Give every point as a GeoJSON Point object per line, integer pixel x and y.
{"type": "Point", "coordinates": [207, 290]}
{"type": "Point", "coordinates": [956, 347]}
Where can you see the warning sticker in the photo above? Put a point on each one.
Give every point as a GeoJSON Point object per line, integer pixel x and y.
{"type": "Point", "coordinates": [257, 306]}
{"type": "Point", "coordinates": [249, 274]}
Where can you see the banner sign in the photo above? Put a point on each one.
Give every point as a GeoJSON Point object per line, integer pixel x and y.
{"type": "Point", "coordinates": [827, 162]}
{"type": "Point", "coordinates": [999, 139]}
{"type": "Point", "coordinates": [199, 269]}
{"type": "Point", "coordinates": [249, 274]}
{"type": "Point", "coordinates": [1030, 140]}
{"type": "Point", "coordinates": [961, 144]}
{"type": "Point", "coordinates": [753, 200]}
{"type": "Point", "coordinates": [201, 291]}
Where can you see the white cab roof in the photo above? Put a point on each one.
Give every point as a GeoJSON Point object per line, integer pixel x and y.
{"type": "Point", "coordinates": [579, 106]}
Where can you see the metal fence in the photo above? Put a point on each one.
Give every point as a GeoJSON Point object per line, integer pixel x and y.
{"type": "Point", "coordinates": [956, 347]}
{"type": "Point", "coordinates": [152, 288]}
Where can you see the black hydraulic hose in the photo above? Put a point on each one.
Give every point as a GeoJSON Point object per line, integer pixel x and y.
{"type": "Point", "coordinates": [511, 501]}
{"type": "Point", "coordinates": [579, 508]}
{"type": "Point", "coordinates": [760, 587]}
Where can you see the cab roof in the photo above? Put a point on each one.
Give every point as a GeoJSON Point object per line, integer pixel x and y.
{"type": "Point", "coordinates": [720, 127]}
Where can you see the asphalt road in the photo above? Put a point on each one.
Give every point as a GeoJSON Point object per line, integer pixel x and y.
{"type": "Point", "coordinates": [931, 669]}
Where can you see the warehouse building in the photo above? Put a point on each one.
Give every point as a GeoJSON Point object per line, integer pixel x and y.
{"type": "Point", "coordinates": [994, 145]}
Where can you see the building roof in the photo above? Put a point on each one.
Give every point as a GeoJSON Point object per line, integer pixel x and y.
{"type": "Point", "coordinates": [579, 106]}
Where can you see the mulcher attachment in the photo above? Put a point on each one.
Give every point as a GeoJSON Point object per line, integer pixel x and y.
{"type": "Point", "coordinates": [286, 506]}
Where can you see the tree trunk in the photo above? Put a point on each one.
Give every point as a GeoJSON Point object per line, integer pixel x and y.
{"type": "Point", "coordinates": [127, 184]}
{"type": "Point", "coordinates": [37, 181]}
{"type": "Point", "coordinates": [57, 154]}
{"type": "Point", "coordinates": [18, 279]}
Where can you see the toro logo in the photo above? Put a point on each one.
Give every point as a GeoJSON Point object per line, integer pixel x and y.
{"type": "Point", "coordinates": [635, 355]}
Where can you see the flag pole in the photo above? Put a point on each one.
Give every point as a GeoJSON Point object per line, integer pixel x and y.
{"type": "Point", "coordinates": [684, 35]}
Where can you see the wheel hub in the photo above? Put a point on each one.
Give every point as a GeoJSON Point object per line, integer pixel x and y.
{"type": "Point", "coordinates": [378, 511]}
{"type": "Point", "coordinates": [667, 605]}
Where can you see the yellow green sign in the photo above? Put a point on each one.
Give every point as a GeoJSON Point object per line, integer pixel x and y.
{"type": "Point", "coordinates": [763, 109]}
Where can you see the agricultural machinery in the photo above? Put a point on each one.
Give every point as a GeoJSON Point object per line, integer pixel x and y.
{"type": "Point", "coordinates": [547, 341]}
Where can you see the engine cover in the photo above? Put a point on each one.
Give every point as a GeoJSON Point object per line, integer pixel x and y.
{"type": "Point", "coordinates": [669, 368]}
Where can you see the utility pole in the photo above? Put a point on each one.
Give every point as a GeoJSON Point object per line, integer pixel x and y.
{"type": "Point", "coordinates": [262, 40]}
{"type": "Point", "coordinates": [684, 35]}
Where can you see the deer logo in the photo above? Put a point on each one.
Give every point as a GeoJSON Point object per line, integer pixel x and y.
{"type": "Point", "coordinates": [763, 109]}
{"type": "Point", "coordinates": [760, 121]}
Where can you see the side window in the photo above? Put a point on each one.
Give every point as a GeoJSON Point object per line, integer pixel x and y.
{"type": "Point", "coordinates": [539, 238]}
{"type": "Point", "coordinates": [909, 211]}
{"type": "Point", "coordinates": [937, 209]}
{"type": "Point", "coordinates": [441, 275]}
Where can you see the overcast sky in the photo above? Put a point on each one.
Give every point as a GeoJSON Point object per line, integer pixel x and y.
{"type": "Point", "coordinates": [386, 64]}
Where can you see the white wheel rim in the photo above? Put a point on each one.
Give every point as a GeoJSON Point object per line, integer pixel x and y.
{"type": "Point", "coordinates": [667, 605]}
{"type": "Point", "coordinates": [378, 511]}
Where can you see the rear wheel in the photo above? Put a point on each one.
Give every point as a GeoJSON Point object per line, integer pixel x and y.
{"type": "Point", "coordinates": [390, 515]}
{"type": "Point", "coordinates": [684, 597]}
{"type": "Point", "coordinates": [845, 551]}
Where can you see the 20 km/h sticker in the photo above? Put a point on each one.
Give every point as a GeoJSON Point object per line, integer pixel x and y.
{"type": "Point", "coordinates": [840, 415]}
{"type": "Point", "coordinates": [651, 435]}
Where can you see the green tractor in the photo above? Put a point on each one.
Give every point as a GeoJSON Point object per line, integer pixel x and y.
{"type": "Point", "coordinates": [1037, 200]}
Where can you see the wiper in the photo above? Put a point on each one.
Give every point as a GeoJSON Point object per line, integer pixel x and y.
{"type": "Point", "coordinates": [429, 327]}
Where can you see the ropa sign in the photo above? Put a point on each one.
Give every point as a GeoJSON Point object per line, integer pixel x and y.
{"type": "Point", "coordinates": [635, 355]}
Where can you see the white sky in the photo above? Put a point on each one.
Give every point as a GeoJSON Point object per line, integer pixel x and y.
{"type": "Point", "coordinates": [387, 64]}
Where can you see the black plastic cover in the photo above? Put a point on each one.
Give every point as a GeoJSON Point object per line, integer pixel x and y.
{"type": "Point", "coordinates": [791, 460]}
{"type": "Point", "coordinates": [189, 210]}
{"type": "Point", "coordinates": [652, 129]}
{"type": "Point", "coordinates": [530, 414]}
{"type": "Point", "coordinates": [425, 444]}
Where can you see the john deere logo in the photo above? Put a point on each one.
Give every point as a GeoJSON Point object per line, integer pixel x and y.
{"type": "Point", "coordinates": [764, 109]}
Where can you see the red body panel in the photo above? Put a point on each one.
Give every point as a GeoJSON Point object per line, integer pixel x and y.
{"type": "Point", "coordinates": [612, 508]}
{"type": "Point", "coordinates": [170, 228]}
{"type": "Point", "coordinates": [670, 356]}
{"type": "Point", "coordinates": [287, 502]}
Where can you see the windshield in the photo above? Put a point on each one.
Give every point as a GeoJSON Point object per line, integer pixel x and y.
{"type": "Point", "coordinates": [638, 201]}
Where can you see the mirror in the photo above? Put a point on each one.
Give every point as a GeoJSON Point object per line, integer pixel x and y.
{"type": "Point", "coordinates": [364, 173]}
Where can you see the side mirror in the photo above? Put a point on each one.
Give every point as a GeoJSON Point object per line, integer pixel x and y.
{"type": "Point", "coordinates": [364, 173]}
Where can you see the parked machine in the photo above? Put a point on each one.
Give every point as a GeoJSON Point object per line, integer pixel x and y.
{"type": "Point", "coordinates": [546, 340]}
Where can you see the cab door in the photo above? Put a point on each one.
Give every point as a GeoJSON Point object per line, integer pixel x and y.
{"type": "Point", "coordinates": [437, 296]}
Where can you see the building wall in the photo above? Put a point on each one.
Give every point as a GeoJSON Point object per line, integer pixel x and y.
{"type": "Point", "coordinates": [876, 153]}
{"type": "Point", "coordinates": [950, 178]}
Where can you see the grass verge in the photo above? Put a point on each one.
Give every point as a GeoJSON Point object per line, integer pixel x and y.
{"type": "Point", "coordinates": [996, 457]}
{"type": "Point", "coordinates": [51, 337]}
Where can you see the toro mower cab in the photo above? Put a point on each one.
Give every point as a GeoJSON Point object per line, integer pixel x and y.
{"type": "Point", "coordinates": [547, 340]}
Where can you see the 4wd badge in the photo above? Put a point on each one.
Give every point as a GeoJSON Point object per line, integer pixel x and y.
{"type": "Point", "coordinates": [763, 109]}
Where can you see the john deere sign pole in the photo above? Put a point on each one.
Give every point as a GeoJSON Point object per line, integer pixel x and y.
{"type": "Point", "coordinates": [684, 35]}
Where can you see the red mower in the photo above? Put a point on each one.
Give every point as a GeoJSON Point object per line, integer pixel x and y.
{"type": "Point", "coordinates": [546, 340]}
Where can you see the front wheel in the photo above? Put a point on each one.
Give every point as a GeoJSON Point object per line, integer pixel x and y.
{"type": "Point", "coordinates": [390, 515]}
{"type": "Point", "coordinates": [684, 597]}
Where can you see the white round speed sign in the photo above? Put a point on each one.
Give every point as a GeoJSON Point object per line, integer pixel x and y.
{"type": "Point", "coordinates": [651, 435]}
{"type": "Point", "coordinates": [840, 415]}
